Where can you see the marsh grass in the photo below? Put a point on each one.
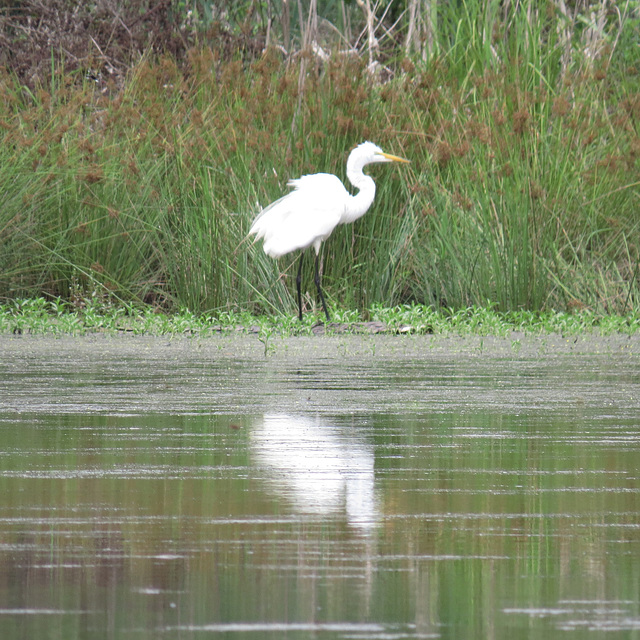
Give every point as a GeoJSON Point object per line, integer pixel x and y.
{"type": "Point", "coordinates": [522, 193]}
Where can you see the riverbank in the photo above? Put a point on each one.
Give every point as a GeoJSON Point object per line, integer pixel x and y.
{"type": "Point", "coordinates": [55, 317]}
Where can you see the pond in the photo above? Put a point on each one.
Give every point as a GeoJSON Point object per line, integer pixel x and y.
{"type": "Point", "coordinates": [356, 487]}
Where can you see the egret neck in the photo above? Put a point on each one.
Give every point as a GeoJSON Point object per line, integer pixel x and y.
{"type": "Point", "coordinates": [359, 203]}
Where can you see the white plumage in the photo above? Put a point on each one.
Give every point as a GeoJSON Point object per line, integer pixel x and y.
{"type": "Point", "coordinates": [303, 218]}
{"type": "Point", "coordinates": [317, 205]}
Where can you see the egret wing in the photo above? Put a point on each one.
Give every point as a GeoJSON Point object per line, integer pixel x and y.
{"type": "Point", "coordinates": [304, 217]}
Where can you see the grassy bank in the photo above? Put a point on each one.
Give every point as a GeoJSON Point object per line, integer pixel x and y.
{"type": "Point", "coordinates": [522, 193]}
{"type": "Point", "coordinates": [56, 317]}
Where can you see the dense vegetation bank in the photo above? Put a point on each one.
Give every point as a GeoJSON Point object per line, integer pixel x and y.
{"type": "Point", "coordinates": [522, 128]}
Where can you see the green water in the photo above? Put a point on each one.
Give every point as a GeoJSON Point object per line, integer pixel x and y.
{"type": "Point", "coordinates": [357, 488]}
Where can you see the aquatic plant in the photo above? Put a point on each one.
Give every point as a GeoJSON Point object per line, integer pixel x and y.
{"type": "Point", "coordinates": [41, 316]}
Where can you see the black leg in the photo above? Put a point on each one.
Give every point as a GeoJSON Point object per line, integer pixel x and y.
{"type": "Point", "coordinates": [317, 279]}
{"type": "Point", "coordinates": [298, 284]}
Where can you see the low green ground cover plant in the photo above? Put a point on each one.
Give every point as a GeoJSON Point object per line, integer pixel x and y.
{"type": "Point", "coordinates": [39, 316]}
{"type": "Point", "coordinates": [522, 126]}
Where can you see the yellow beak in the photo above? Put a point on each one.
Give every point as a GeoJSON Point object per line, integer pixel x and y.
{"type": "Point", "coordinates": [388, 156]}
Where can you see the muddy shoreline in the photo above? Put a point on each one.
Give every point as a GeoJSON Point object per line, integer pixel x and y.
{"type": "Point", "coordinates": [252, 346]}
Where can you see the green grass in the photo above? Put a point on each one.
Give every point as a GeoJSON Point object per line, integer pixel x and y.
{"type": "Point", "coordinates": [522, 194]}
{"type": "Point", "coordinates": [38, 316]}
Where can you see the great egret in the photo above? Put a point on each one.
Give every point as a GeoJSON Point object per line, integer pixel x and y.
{"type": "Point", "coordinates": [317, 205]}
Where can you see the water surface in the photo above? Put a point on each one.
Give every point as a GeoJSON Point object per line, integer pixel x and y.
{"type": "Point", "coordinates": [341, 487]}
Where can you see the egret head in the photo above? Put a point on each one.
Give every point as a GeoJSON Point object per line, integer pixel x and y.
{"type": "Point", "coordinates": [368, 153]}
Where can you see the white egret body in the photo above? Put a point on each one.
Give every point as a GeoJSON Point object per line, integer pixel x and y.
{"type": "Point", "coordinates": [317, 205]}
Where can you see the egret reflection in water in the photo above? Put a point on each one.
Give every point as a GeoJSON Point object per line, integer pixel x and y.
{"type": "Point", "coordinates": [319, 468]}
